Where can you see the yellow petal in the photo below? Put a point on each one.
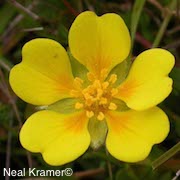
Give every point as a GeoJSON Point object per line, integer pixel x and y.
{"type": "Point", "coordinates": [148, 83]}
{"type": "Point", "coordinates": [44, 76]}
{"type": "Point", "coordinates": [133, 133]}
{"type": "Point", "coordinates": [99, 42]}
{"type": "Point", "coordinates": [60, 138]}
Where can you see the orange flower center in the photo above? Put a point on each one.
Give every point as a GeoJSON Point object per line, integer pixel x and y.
{"type": "Point", "coordinates": [96, 98]}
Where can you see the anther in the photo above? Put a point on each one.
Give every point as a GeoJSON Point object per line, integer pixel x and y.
{"type": "Point", "coordinates": [75, 93]}
{"type": "Point", "coordinates": [100, 116]}
{"type": "Point", "coordinates": [87, 96]}
{"type": "Point", "coordinates": [99, 93]}
{"type": "Point", "coordinates": [89, 102]}
{"type": "Point", "coordinates": [105, 85]}
{"type": "Point", "coordinates": [89, 114]}
{"type": "Point", "coordinates": [104, 74]}
{"type": "Point", "coordinates": [90, 76]}
{"type": "Point", "coordinates": [103, 101]}
{"type": "Point", "coordinates": [112, 106]}
{"type": "Point", "coordinates": [97, 84]}
{"type": "Point", "coordinates": [78, 105]}
{"type": "Point", "coordinates": [113, 78]}
{"type": "Point", "coordinates": [114, 91]}
{"type": "Point", "coordinates": [78, 82]}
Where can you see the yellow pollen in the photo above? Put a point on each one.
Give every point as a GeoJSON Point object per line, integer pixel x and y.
{"type": "Point", "coordinates": [100, 116]}
{"type": "Point", "coordinates": [90, 76]}
{"type": "Point", "coordinates": [114, 91]}
{"type": "Point", "coordinates": [95, 98]}
{"type": "Point", "coordinates": [105, 85]}
{"type": "Point", "coordinates": [79, 105]}
{"type": "Point", "coordinates": [112, 106]}
{"type": "Point", "coordinates": [87, 96]}
{"type": "Point", "coordinates": [89, 114]}
{"type": "Point", "coordinates": [97, 84]}
{"type": "Point", "coordinates": [89, 102]}
{"type": "Point", "coordinates": [99, 93]}
{"type": "Point", "coordinates": [113, 78]}
{"type": "Point", "coordinates": [103, 101]}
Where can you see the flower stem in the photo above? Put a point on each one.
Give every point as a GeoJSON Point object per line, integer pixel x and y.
{"type": "Point", "coordinates": [109, 167]}
{"type": "Point", "coordinates": [137, 9]}
{"type": "Point", "coordinates": [164, 24]}
{"type": "Point", "coordinates": [167, 155]}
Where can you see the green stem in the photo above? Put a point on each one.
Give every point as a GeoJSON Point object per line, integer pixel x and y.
{"type": "Point", "coordinates": [167, 155]}
{"type": "Point", "coordinates": [109, 167]}
{"type": "Point", "coordinates": [164, 24]}
{"type": "Point", "coordinates": [137, 9]}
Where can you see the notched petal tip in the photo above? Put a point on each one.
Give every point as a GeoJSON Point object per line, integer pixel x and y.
{"type": "Point", "coordinates": [44, 76]}
{"type": "Point", "coordinates": [61, 138]}
{"type": "Point", "coordinates": [148, 83]}
{"type": "Point", "coordinates": [95, 41]}
{"type": "Point", "coordinates": [132, 133]}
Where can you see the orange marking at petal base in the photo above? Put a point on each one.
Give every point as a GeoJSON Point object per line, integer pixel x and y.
{"type": "Point", "coordinates": [64, 83]}
{"type": "Point", "coordinates": [114, 123]}
{"type": "Point", "coordinates": [76, 123]}
{"type": "Point", "coordinates": [127, 89]}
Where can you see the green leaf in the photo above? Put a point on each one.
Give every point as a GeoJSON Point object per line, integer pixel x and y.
{"type": "Point", "coordinates": [137, 9]}
{"type": "Point", "coordinates": [167, 155]}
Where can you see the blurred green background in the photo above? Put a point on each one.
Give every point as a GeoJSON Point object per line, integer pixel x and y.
{"type": "Point", "coordinates": [152, 23]}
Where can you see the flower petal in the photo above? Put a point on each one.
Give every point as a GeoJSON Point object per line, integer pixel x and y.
{"type": "Point", "coordinates": [148, 83]}
{"type": "Point", "coordinates": [44, 76]}
{"type": "Point", "coordinates": [133, 133]}
{"type": "Point", "coordinates": [60, 138]}
{"type": "Point", "coordinates": [99, 42]}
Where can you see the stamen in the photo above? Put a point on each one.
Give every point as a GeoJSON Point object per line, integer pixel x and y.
{"type": "Point", "coordinates": [113, 78]}
{"type": "Point", "coordinates": [103, 101]}
{"type": "Point", "coordinates": [96, 97]}
{"type": "Point", "coordinates": [99, 93]}
{"type": "Point", "coordinates": [114, 91]}
{"type": "Point", "coordinates": [87, 96]}
{"type": "Point", "coordinates": [75, 93]}
{"type": "Point", "coordinates": [112, 106]}
{"type": "Point", "coordinates": [89, 114]}
{"type": "Point", "coordinates": [79, 105]}
{"type": "Point", "coordinates": [103, 74]}
{"type": "Point", "coordinates": [78, 82]}
{"type": "Point", "coordinates": [105, 85]}
{"type": "Point", "coordinates": [89, 102]}
{"type": "Point", "coordinates": [90, 76]}
{"type": "Point", "coordinates": [100, 116]}
{"type": "Point", "coordinates": [97, 84]}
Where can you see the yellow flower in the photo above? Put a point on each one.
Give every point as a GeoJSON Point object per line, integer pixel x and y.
{"type": "Point", "coordinates": [44, 77]}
